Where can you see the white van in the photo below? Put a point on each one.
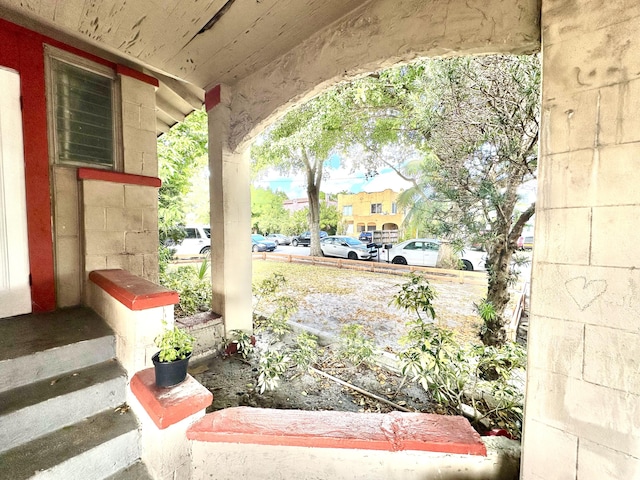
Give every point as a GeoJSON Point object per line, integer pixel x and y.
{"type": "Point", "coordinates": [196, 242]}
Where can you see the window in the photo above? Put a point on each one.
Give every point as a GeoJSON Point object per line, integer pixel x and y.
{"type": "Point", "coordinates": [394, 208]}
{"type": "Point", "coordinates": [376, 208]}
{"type": "Point", "coordinates": [347, 210]}
{"type": "Point", "coordinates": [83, 114]}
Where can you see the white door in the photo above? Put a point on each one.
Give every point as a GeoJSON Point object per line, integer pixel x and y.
{"type": "Point", "coordinates": [15, 293]}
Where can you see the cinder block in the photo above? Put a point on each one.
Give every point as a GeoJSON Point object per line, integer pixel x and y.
{"type": "Point", "coordinates": [104, 243]}
{"type": "Point", "coordinates": [592, 295]}
{"type": "Point", "coordinates": [95, 262]}
{"type": "Point", "coordinates": [115, 219]}
{"type": "Point", "coordinates": [95, 218]}
{"type": "Point", "coordinates": [118, 261]}
{"type": "Point", "coordinates": [131, 113]}
{"type": "Point", "coordinates": [569, 122]}
{"type": "Point", "coordinates": [136, 91]}
{"type": "Point", "coordinates": [547, 449]}
{"type": "Point", "coordinates": [150, 219]}
{"type": "Point", "coordinates": [137, 196]}
{"type": "Point", "coordinates": [614, 236]}
{"type": "Point", "coordinates": [136, 265]}
{"type": "Point", "coordinates": [564, 20]}
{"type": "Point", "coordinates": [132, 221]}
{"type": "Point", "coordinates": [141, 242]}
{"type": "Point", "coordinates": [599, 462]}
{"type": "Point", "coordinates": [556, 345]}
{"type": "Point", "coordinates": [617, 166]}
{"type": "Point", "coordinates": [564, 235]}
{"type": "Point", "coordinates": [67, 217]}
{"type": "Point", "coordinates": [103, 194]}
{"type": "Point", "coordinates": [150, 164]}
{"type": "Point", "coordinates": [68, 271]}
{"type": "Point", "coordinates": [151, 268]}
{"type": "Point", "coordinates": [148, 118]}
{"type": "Point", "coordinates": [612, 358]}
{"type": "Point", "coordinates": [566, 179]}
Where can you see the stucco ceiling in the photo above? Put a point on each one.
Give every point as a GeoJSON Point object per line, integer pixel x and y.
{"type": "Point", "coordinates": [189, 45]}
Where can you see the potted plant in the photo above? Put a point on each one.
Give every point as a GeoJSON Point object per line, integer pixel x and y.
{"type": "Point", "coordinates": [171, 361]}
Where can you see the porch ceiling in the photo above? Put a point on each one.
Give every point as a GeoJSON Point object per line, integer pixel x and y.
{"type": "Point", "coordinates": [189, 45]}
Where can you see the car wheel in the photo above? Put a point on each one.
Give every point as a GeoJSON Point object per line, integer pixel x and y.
{"type": "Point", "coordinates": [255, 248]}
{"type": "Point", "coordinates": [294, 243]}
{"type": "Point", "coordinates": [399, 261]}
{"type": "Point", "coordinates": [352, 256]}
{"type": "Point", "coordinates": [467, 265]}
{"type": "Point", "coordinates": [205, 250]}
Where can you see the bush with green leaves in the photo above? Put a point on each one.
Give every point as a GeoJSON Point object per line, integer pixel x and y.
{"type": "Point", "coordinates": [305, 353]}
{"type": "Point", "coordinates": [416, 295]}
{"type": "Point", "coordinates": [355, 346]}
{"type": "Point", "coordinates": [192, 285]}
{"type": "Point", "coordinates": [283, 305]}
{"type": "Point", "coordinates": [272, 365]}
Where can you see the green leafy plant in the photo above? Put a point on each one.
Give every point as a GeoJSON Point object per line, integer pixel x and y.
{"type": "Point", "coordinates": [354, 345]}
{"type": "Point", "coordinates": [285, 306]}
{"type": "Point", "coordinates": [243, 341]}
{"type": "Point", "coordinates": [271, 367]}
{"type": "Point", "coordinates": [174, 344]}
{"type": "Point", "coordinates": [416, 295]}
{"type": "Point", "coordinates": [195, 292]}
{"type": "Point", "coordinates": [305, 352]}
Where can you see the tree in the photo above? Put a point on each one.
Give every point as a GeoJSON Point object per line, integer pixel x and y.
{"type": "Point", "coordinates": [182, 151]}
{"type": "Point", "coordinates": [302, 141]}
{"type": "Point", "coordinates": [475, 120]}
{"type": "Point", "coordinates": [267, 212]}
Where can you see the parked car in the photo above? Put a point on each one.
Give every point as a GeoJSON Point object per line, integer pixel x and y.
{"type": "Point", "coordinates": [366, 237]}
{"type": "Point", "coordinates": [304, 239]}
{"type": "Point", "coordinates": [261, 244]}
{"type": "Point", "coordinates": [279, 239]}
{"type": "Point", "coordinates": [346, 247]}
{"type": "Point", "coordinates": [424, 252]}
{"type": "Point", "coordinates": [196, 242]}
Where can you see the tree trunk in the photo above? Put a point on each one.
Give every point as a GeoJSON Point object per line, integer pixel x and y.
{"type": "Point", "coordinates": [494, 333]}
{"type": "Point", "coordinates": [313, 194]}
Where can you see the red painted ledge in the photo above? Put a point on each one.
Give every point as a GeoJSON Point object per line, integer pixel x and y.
{"type": "Point", "coordinates": [118, 177]}
{"type": "Point", "coordinates": [394, 431]}
{"type": "Point", "coordinates": [133, 292]}
{"type": "Point", "coordinates": [167, 406]}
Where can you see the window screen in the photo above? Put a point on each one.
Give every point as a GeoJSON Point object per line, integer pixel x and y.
{"type": "Point", "coordinates": [83, 115]}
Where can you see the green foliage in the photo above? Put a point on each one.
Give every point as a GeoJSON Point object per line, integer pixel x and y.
{"type": "Point", "coordinates": [285, 306]}
{"type": "Point", "coordinates": [243, 340]}
{"type": "Point", "coordinates": [174, 344]}
{"type": "Point", "coordinates": [182, 152]}
{"type": "Point", "coordinates": [268, 214]}
{"type": "Point", "coordinates": [305, 353]}
{"type": "Point", "coordinates": [271, 367]}
{"type": "Point", "coordinates": [416, 295]}
{"type": "Point", "coordinates": [354, 345]}
{"type": "Point", "coordinates": [192, 285]}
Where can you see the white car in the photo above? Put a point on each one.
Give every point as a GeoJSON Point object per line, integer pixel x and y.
{"type": "Point", "coordinates": [196, 242]}
{"type": "Point", "coordinates": [346, 247]}
{"type": "Point", "coordinates": [423, 252]}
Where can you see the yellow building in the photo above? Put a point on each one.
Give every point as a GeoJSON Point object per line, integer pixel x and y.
{"type": "Point", "coordinates": [376, 211]}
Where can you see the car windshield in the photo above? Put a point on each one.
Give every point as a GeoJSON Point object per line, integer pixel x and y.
{"type": "Point", "coordinates": [351, 241]}
{"type": "Point", "coordinates": [258, 238]}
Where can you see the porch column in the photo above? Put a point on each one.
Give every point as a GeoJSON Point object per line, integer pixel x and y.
{"type": "Point", "coordinates": [230, 201]}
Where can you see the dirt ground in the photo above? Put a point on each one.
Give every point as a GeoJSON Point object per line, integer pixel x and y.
{"type": "Point", "coordinates": [328, 300]}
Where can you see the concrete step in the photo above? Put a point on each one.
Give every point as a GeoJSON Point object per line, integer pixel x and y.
{"type": "Point", "coordinates": [93, 449]}
{"type": "Point", "coordinates": [137, 471]}
{"type": "Point", "coordinates": [40, 346]}
{"type": "Point", "coordinates": [30, 411]}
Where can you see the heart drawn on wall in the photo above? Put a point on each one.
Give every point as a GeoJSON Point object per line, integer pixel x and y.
{"type": "Point", "coordinates": [584, 292]}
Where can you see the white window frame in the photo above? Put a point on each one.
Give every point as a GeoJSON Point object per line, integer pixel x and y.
{"type": "Point", "coordinates": [98, 69]}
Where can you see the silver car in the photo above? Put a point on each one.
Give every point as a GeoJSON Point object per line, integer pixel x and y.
{"type": "Point", "coordinates": [346, 247]}
{"type": "Point", "coordinates": [279, 239]}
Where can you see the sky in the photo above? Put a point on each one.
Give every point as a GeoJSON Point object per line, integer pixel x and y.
{"type": "Point", "coordinates": [336, 179]}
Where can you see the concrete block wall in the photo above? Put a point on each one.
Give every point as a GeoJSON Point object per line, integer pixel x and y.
{"type": "Point", "coordinates": [582, 416]}
{"type": "Point", "coordinates": [109, 225]}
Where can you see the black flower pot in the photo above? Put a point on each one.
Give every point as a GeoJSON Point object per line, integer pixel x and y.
{"type": "Point", "coordinates": [169, 374]}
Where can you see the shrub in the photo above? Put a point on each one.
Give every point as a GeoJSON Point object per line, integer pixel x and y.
{"type": "Point", "coordinates": [194, 289]}
{"type": "Point", "coordinates": [354, 345]}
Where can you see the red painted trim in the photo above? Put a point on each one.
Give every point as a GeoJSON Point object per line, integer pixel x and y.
{"type": "Point", "coordinates": [212, 97]}
{"type": "Point", "coordinates": [167, 406]}
{"type": "Point", "coordinates": [143, 77]}
{"type": "Point", "coordinates": [394, 431]}
{"type": "Point", "coordinates": [133, 292]}
{"type": "Point", "coordinates": [117, 177]}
